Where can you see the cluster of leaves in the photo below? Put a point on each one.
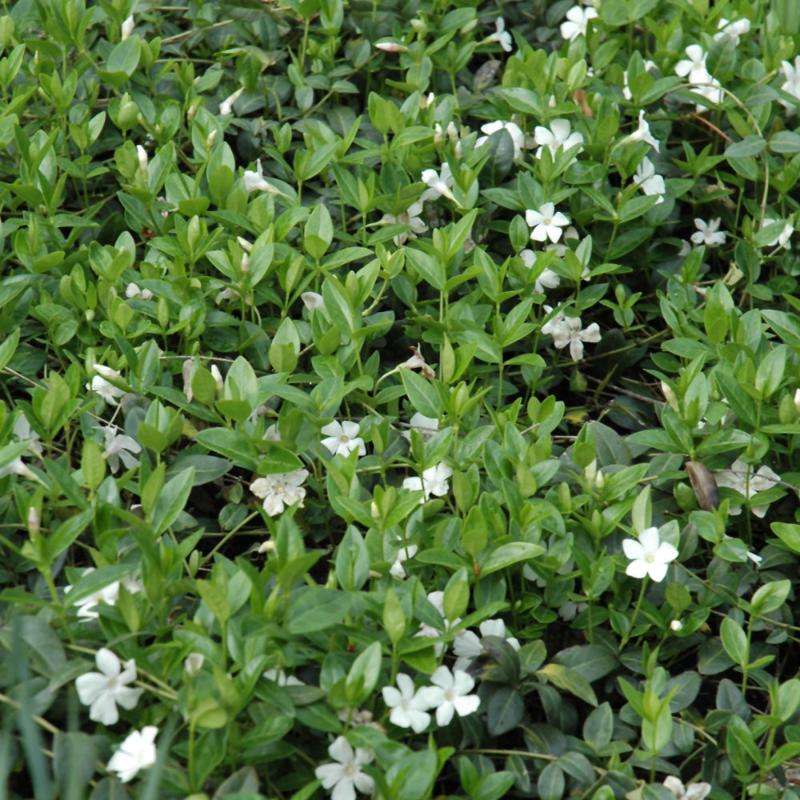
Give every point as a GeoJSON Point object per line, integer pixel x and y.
{"type": "Point", "coordinates": [343, 339]}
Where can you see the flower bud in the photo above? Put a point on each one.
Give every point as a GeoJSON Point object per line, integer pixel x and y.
{"type": "Point", "coordinates": [676, 625]}
{"type": "Point", "coordinates": [211, 138]}
{"type": "Point", "coordinates": [391, 47]}
{"type": "Point", "coordinates": [34, 522]}
{"type": "Point", "coordinates": [193, 663]}
{"type": "Point", "coordinates": [797, 400]}
{"type": "Point", "coordinates": [141, 154]}
{"type": "Point", "coordinates": [217, 376]}
{"type": "Point", "coordinates": [126, 29]}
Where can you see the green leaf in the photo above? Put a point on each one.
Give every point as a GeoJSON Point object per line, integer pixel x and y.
{"type": "Point", "coordinates": [734, 640]}
{"type": "Point", "coordinates": [599, 727]}
{"type": "Point", "coordinates": [504, 711]}
{"type": "Point", "coordinates": [769, 597]}
{"type": "Point", "coordinates": [788, 533]}
{"type": "Point", "coordinates": [363, 675]}
{"type": "Point", "coordinates": [278, 460]}
{"type": "Point", "coordinates": [171, 500]}
{"type": "Point", "coordinates": [314, 608]}
{"type": "Point", "coordinates": [747, 147]}
{"type": "Point", "coordinates": [569, 680]}
{"type": "Point", "coordinates": [508, 554]}
{"type": "Point", "coordinates": [231, 444]}
{"type": "Point", "coordinates": [551, 784]}
{"type": "Point", "coordinates": [421, 393]}
{"type": "Point", "coordinates": [318, 232]}
{"type": "Point", "coordinates": [352, 560]}
{"type": "Point", "coordinates": [8, 348]}
{"type": "Point", "coordinates": [787, 142]}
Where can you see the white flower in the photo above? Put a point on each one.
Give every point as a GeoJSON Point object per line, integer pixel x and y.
{"type": "Point", "coordinates": [193, 663]}
{"type": "Point", "coordinates": [403, 554]}
{"type": "Point", "coordinates": [272, 433]}
{"type": "Point", "coordinates": [501, 35]}
{"type": "Point", "coordinates": [439, 183]}
{"type": "Point", "coordinates": [107, 594]}
{"type": "Point", "coordinates": [546, 223]}
{"type": "Point", "coordinates": [126, 29]}
{"type": "Point", "coordinates": [426, 426]}
{"type": "Point", "coordinates": [571, 609]}
{"type": "Point", "coordinates": [741, 478]}
{"type": "Point", "coordinates": [694, 791]}
{"type": "Point", "coordinates": [103, 691]}
{"type": "Point", "coordinates": [278, 676]}
{"type": "Point", "coordinates": [412, 218]}
{"type": "Point", "coordinates": [279, 491]}
{"type": "Point", "coordinates": [255, 181]}
{"type": "Point", "coordinates": [226, 106]}
{"type": "Point", "coordinates": [409, 707]}
{"type": "Point", "coordinates": [732, 30]}
{"type": "Point", "coordinates": [467, 645]}
{"type": "Point", "coordinates": [436, 599]}
{"type": "Point", "coordinates": [648, 555]}
{"type": "Point", "coordinates": [390, 47]}
{"type": "Point", "coordinates": [417, 361]}
{"type": "Point", "coordinates": [514, 131]}
{"type": "Point", "coordinates": [647, 180]}
{"type": "Point", "coordinates": [693, 68]}
{"type": "Point", "coordinates": [141, 155]}
{"type": "Point", "coordinates": [567, 331]}
{"type": "Point", "coordinates": [708, 233]}
{"type": "Point", "coordinates": [120, 448]}
{"type": "Point", "coordinates": [434, 480]}
{"type": "Point", "coordinates": [342, 438]}
{"type": "Point", "coordinates": [450, 694]}
{"type": "Point", "coordinates": [559, 134]}
{"type": "Point", "coordinates": [132, 290]}
{"type": "Point", "coordinates": [782, 239]}
{"type": "Point", "coordinates": [103, 387]}
{"type": "Point", "coordinates": [642, 134]}
{"type": "Point", "coordinates": [577, 20]}
{"type": "Point", "coordinates": [547, 278]}
{"type": "Point", "coordinates": [23, 432]}
{"type": "Point", "coordinates": [792, 83]}
{"type": "Point", "coordinates": [345, 776]}
{"type": "Point", "coordinates": [138, 751]}
{"type": "Point", "coordinates": [712, 91]}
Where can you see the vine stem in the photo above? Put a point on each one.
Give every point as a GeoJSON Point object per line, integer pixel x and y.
{"type": "Point", "coordinates": [636, 610]}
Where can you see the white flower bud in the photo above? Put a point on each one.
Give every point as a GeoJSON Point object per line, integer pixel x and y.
{"type": "Point", "coordinates": [141, 154]}
{"type": "Point", "coordinates": [458, 149]}
{"type": "Point", "coordinates": [193, 663]}
{"type": "Point", "coordinates": [676, 625]}
{"type": "Point", "coordinates": [244, 244]}
{"type": "Point", "coordinates": [266, 547]}
{"type": "Point", "coordinates": [226, 106]}
{"type": "Point", "coordinates": [211, 138]}
{"type": "Point", "coordinates": [452, 131]}
{"type": "Point", "coordinates": [126, 29]}
{"type": "Point", "coordinates": [797, 400]}
{"type": "Point", "coordinates": [391, 47]}
{"type": "Point", "coordinates": [34, 522]}
{"type": "Point", "coordinates": [217, 376]}
{"type": "Point", "coordinates": [669, 395]}
{"type": "Point", "coordinates": [438, 134]}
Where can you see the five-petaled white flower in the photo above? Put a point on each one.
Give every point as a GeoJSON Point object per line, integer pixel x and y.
{"type": "Point", "coordinates": [577, 20]}
{"type": "Point", "coordinates": [102, 386]}
{"type": "Point", "coordinates": [783, 237]}
{"type": "Point", "coordinates": [511, 128]}
{"type": "Point", "coordinates": [425, 426]}
{"type": "Point", "coordinates": [342, 438]}
{"type": "Point", "coordinates": [450, 694]}
{"type": "Point", "coordinates": [792, 83]}
{"type": "Point", "coordinates": [742, 478]}
{"type": "Point", "coordinates": [434, 480]}
{"type": "Point", "coordinates": [708, 233]}
{"type": "Point", "coordinates": [409, 707]}
{"type": "Point", "coordinates": [694, 791]}
{"type": "Point", "coordinates": [642, 134]}
{"type": "Point", "coordinates": [467, 644]}
{"type": "Point", "coordinates": [345, 775]}
{"type": "Point", "coordinates": [546, 223]}
{"type": "Point", "coordinates": [120, 448]}
{"type": "Point", "coordinates": [439, 183]}
{"type": "Point", "coordinates": [648, 555]}
{"type": "Point", "coordinates": [255, 181]}
{"type": "Point", "coordinates": [648, 181]}
{"type": "Point", "coordinates": [567, 332]}
{"type": "Point", "coordinates": [559, 134]}
{"type": "Point", "coordinates": [412, 218]}
{"type": "Point", "coordinates": [280, 491]}
{"type": "Point", "coordinates": [107, 594]}
{"type": "Point", "coordinates": [732, 30]}
{"type": "Point", "coordinates": [501, 35]}
{"type": "Point", "coordinates": [546, 279]}
{"type": "Point", "coordinates": [103, 691]}
{"type": "Point", "coordinates": [397, 570]}
{"type": "Point", "coordinates": [693, 68]}
{"type": "Point", "coordinates": [138, 751]}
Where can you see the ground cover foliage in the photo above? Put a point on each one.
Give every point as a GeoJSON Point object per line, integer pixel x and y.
{"type": "Point", "coordinates": [399, 399]}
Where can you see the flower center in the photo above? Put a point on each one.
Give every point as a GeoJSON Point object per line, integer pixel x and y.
{"type": "Point", "coordinates": [350, 770]}
{"type": "Point", "coordinates": [650, 558]}
{"type": "Point", "coordinates": [449, 695]}
{"type": "Point", "coordinates": [547, 220]}
{"type": "Point", "coordinates": [344, 438]}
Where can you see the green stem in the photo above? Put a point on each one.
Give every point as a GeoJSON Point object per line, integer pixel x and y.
{"type": "Point", "coordinates": [627, 636]}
